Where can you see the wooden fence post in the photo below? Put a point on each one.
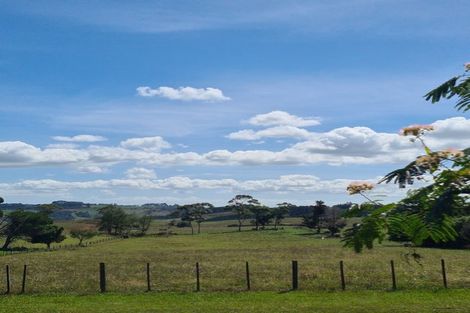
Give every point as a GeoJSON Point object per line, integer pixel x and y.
{"type": "Point", "coordinates": [102, 277]}
{"type": "Point", "coordinates": [341, 271]}
{"type": "Point", "coordinates": [149, 288]}
{"type": "Point", "coordinates": [295, 275]}
{"type": "Point", "coordinates": [23, 283]}
{"type": "Point", "coordinates": [444, 275]}
{"type": "Point", "coordinates": [394, 279]}
{"type": "Point", "coordinates": [198, 286]}
{"type": "Point", "coordinates": [248, 283]}
{"type": "Point", "coordinates": [7, 269]}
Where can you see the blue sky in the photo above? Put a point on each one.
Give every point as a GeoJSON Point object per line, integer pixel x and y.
{"type": "Point", "coordinates": [306, 96]}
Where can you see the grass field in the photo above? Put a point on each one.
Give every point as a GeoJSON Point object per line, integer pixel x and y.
{"type": "Point", "coordinates": [312, 302]}
{"type": "Point", "coordinates": [222, 252]}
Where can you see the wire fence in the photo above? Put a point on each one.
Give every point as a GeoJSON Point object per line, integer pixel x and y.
{"type": "Point", "coordinates": [201, 279]}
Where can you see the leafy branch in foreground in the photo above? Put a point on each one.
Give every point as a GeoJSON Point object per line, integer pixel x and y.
{"type": "Point", "coordinates": [456, 86]}
{"type": "Point", "coordinates": [434, 214]}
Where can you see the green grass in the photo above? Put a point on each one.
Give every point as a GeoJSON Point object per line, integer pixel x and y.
{"type": "Point", "coordinates": [324, 302]}
{"type": "Point", "coordinates": [222, 252]}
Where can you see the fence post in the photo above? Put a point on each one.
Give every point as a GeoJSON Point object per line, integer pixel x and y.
{"type": "Point", "coordinates": [7, 269]}
{"type": "Point", "coordinates": [23, 283]}
{"type": "Point", "coordinates": [198, 286]}
{"type": "Point", "coordinates": [295, 275]}
{"type": "Point", "coordinates": [444, 275]}
{"type": "Point", "coordinates": [102, 277]}
{"type": "Point", "coordinates": [248, 284]}
{"type": "Point", "coordinates": [394, 279]}
{"type": "Point", "coordinates": [341, 271]}
{"type": "Point", "coordinates": [149, 288]}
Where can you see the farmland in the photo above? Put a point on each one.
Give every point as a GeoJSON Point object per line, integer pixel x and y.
{"type": "Point", "coordinates": [222, 253]}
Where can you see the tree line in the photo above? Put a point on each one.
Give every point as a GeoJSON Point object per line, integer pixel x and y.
{"type": "Point", "coordinates": [113, 220]}
{"type": "Point", "coordinates": [247, 208]}
{"type": "Point", "coordinates": [39, 227]}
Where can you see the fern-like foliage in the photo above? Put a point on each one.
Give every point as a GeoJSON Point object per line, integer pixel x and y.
{"type": "Point", "coordinates": [404, 176]}
{"type": "Point", "coordinates": [373, 226]}
{"type": "Point", "coordinates": [416, 228]}
{"type": "Point", "coordinates": [456, 86]}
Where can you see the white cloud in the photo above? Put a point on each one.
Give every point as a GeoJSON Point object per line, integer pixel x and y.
{"type": "Point", "coordinates": [285, 182]}
{"type": "Point", "coordinates": [184, 93]}
{"type": "Point", "coordinates": [80, 138]}
{"type": "Point", "coordinates": [281, 118]}
{"type": "Point", "coordinates": [17, 154]}
{"type": "Point", "coordinates": [291, 184]}
{"type": "Point", "coordinates": [92, 169]}
{"type": "Point", "coordinates": [449, 133]}
{"type": "Point", "coordinates": [156, 143]}
{"type": "Point", "coordinates": [62, 146]}
{"type": "Point", "coordinates": [140, 173]}
{"type": "Point", "coordinates": [345, 145]}
{"type": "Point", "coordinates": [272, 132]}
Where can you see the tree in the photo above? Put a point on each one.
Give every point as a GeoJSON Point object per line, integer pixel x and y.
{"type": "Point", "coordinates": [186, 215]}
{"type": "Point", "coordinates": [241, 205]}
{"type": "Point", "coordinates": [262, 215]}
{"type": "Point", "coordinates": [428, 214]}
{"type": "Point", "coordinates": [280, 212]}
{"type": "Point", "coordinates": [28, 225]}
{"type": "Point", "coordinates": [82, 233]}
{"type": "Point", "coordinates": [333, 221]}
{"type": "Point", "coordinates": [114, 220]}
{"type": "Point", "coordinates": [199, 212]}
{"type": "Point", "coordinates": [143, 224]}
{"type": "Point", "coordinates": [48, 234]}
{"type": "Point", "coordinates": [313, 220]}
{"type": "Point", "coordinates": [2, 218]}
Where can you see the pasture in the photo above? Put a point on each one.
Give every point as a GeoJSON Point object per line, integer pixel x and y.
{"type": "Point", "coordinates": [222, 253]}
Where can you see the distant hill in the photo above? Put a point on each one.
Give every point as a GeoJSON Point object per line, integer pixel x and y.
{"type": "Point", "coordinates": [72, 210]}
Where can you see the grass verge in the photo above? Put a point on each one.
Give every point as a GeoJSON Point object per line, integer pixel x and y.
{"type": "Point", "coordinates": [457, 300]}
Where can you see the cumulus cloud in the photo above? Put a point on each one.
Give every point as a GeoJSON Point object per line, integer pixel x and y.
{"type": "Point", "coordinates": [17, 154]}
{"type": "Point", "coordinates": [80, 138]}
{"type": "Point", "coordinates": [95, 169]}
{"type": "Point", "coordinates": [272, 132]}
{"type": "Point", "coordinates": [282, 183]}
{"type": "Point", "coordinates": [156, 143]}
{"type": "Point", "coordinates": [183, 93]}
{"type": "Point", "coordinates": [450, 133]}
{"type": "Point", "coordinates": [281, 118]}
{"type": "Point", "coordinates": [63, 146]}
{"type": "Point", "coordinates": [140, 173]}
{"type": "Point", "coordinates": [291, 184]}
{"type": "Point", "coordinates": [345, 145]}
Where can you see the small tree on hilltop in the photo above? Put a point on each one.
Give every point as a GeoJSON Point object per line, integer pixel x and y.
{"type": "Point", "coordinates": [241, 205]}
